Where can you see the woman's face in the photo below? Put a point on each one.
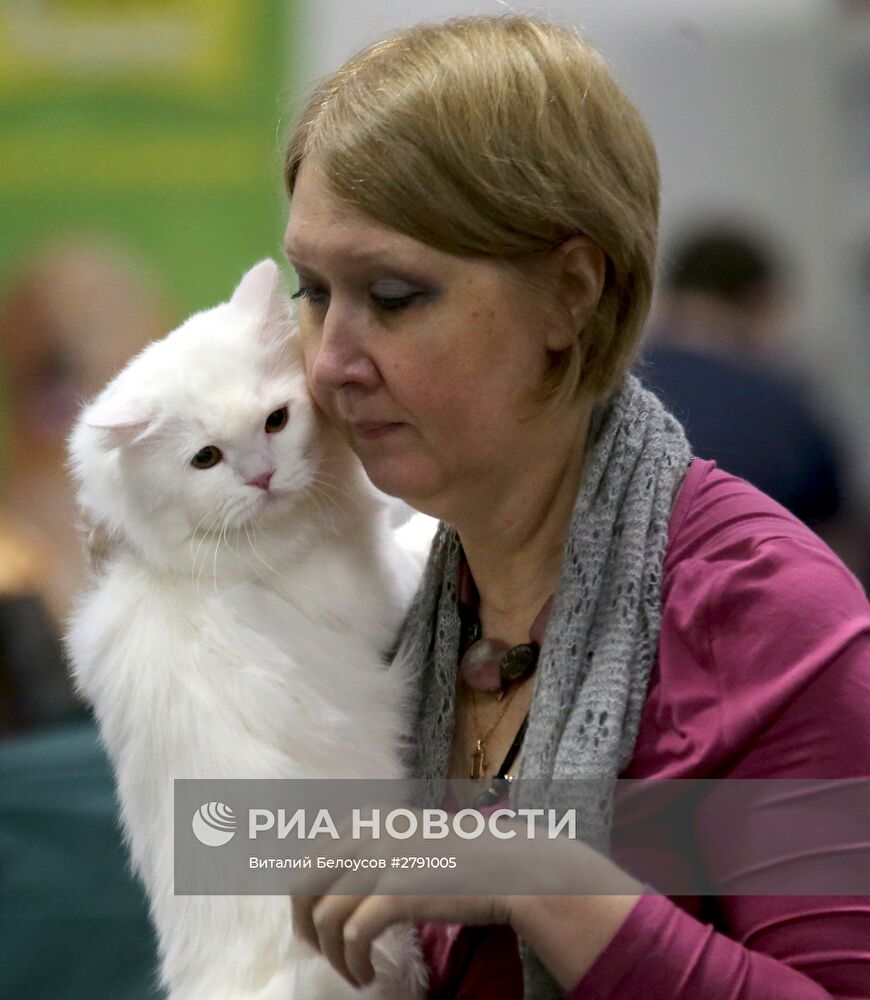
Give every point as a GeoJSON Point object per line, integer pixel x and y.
{"type": "Point", "coordinates": [427, 362]}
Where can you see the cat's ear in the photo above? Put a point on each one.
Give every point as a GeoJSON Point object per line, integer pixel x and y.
{"type": "Point", "coordinates": [261, 295]}
{"type": "Point", "coordinates": [120, 421]}
{"type": "Point", "coordinates": [258, 288]}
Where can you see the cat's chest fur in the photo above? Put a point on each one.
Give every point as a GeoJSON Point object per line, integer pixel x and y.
{"type": "Point", "coordinates": [274, 670]}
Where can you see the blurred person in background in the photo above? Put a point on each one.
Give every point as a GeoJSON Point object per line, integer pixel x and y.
{"type": "Point", "coordinates": [33, 686]}
{"type": "Point", "coordinates": [70, 316]}
{"type": "Point", "coordinates": [714, 358]}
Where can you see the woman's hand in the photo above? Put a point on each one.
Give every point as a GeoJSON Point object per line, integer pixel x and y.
{"type": "Point", "coordinates": [341, 913]}
{"type": "Point", "coordinates": [344, 928]}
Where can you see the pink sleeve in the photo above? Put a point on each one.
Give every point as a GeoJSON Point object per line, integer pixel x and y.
{"type": "Point", "coordinates": [661, 953]}
{"type": "Point", "coordinates": [785, 630]}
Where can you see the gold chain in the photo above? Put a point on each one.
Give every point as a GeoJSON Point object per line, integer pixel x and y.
{"type": "Point", "coordinates": [478, 755]}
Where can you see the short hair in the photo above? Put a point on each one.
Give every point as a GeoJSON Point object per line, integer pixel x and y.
{"type": "Point", "coordinates": [499, 137]}
{"type": "Point", "coordinates": [721, 262]}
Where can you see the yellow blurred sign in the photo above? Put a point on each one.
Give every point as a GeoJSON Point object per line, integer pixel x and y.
{"type": "Point", "coordinates": [154, 121]}
{"type": "Point", "coordinates": [197, 45]}
{"type": "Point", "coordinates": [155, 160]}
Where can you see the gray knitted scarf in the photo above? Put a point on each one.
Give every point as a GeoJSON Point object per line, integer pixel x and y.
{"type": "Point", "coordinates": [602, 635]}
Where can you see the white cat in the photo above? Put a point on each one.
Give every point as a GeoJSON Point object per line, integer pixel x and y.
{"type": "Point", "coordinates": [238, 626]}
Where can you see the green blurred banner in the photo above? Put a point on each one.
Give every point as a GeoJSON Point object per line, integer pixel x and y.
{"type": "Point", "coordinates": [155, 122]}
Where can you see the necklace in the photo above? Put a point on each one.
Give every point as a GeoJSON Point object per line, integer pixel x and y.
{"type": "Point", "coordinates": [491, 664]}
{"type": "Point", "coordinates": [500, 783]}
{"type": "Point", "coordinates": [479, 763]}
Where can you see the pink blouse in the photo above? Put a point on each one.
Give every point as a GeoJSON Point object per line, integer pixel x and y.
{"type": "Point", "coordinates": [763, 670]}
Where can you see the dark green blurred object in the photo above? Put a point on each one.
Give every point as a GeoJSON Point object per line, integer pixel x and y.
{"type": "Point", "coordinates": [73, 920]}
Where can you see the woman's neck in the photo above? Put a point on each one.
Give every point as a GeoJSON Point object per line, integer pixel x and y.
{"type": "Point", "coordinates": [515, 550]}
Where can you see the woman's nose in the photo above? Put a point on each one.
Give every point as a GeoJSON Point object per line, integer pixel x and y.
{"type": "Point", "coordinates": [337, 357]}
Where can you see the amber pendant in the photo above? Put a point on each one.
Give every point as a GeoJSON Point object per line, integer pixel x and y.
{"type": "Point", "coordinates": [478, 761]}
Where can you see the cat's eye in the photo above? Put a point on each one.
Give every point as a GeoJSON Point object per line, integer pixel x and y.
{"type": "Point", "coordinates": [206, 457]}
{"type": "Point", "coordinates": [276, 421]}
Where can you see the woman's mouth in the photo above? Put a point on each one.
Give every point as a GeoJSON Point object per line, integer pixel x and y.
{"type": "Point", "coordinates": [370, 430]}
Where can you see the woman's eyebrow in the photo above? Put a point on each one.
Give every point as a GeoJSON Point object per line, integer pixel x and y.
{"type": "Point", "coordinates": [300, 247]}
{"type": "Point", "coordinates": [351, 256]}
{"type": "Point", "coordinates": [382, 259]}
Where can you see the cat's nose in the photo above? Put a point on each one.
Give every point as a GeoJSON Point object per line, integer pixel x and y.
{"type": "Point", "coordinates": [262, 480]}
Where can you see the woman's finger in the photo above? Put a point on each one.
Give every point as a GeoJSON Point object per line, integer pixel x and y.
{"type": "Point", "coordinates": [367, 922]}
{"type": "Point", "coordinates": [301, 908]}
{"type": "Point", "coordinates": [330, 917]}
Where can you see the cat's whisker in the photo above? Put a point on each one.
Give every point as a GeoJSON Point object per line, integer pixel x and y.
{"type": "Point", "coordinates": [206, 536]}
{"type": "Point", "coordinates": [334, 482]}
{"type": "Point", "coordinates": [332, 485]}
{"type": "Point", "coordinates": [240, 553]}
{"type": "Point", "coordinates": [218, 544]}
{"type": "Point", "coordinates": [325, 493]}
{"type": "Point", "coordinates": [327, 479]}
{"type": "Point", "coordinates": [334, 491]}
{"type": "Point", "coordinates": [312, 495]}
{"type": "Point", "coordinates": [213, 535]}
{"type": "Point", "coordinates": [257, 554]}
{"type": "Point", "coordinates": [194, 554]}
{"type": "Point", "coordinates": [230, 511]}
{"type": "Point", "coordinates": [317, 494]}
{"type": "Point", "coordinates": [333, 460]}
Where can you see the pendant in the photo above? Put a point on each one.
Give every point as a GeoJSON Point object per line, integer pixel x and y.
{"type": "Point", "coordinates": [518, 663]}
{"type": "Point", "coordinates": [478, 761]}
{"type": "Point", "coordinates": [479, 666]}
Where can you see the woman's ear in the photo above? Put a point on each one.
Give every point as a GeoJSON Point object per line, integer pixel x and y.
{"type": "Point", "coordinates": [580, 267]}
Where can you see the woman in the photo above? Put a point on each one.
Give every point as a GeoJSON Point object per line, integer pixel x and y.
{"type": "Point", "coordinates": [473, 225]}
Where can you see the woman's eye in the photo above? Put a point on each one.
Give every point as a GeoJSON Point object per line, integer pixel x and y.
{"type": "Point", "coordinates": [393, 294]}
{"type": "Point", "coordinates": [315, 296]}
{"type": "Point", "coordinates": [390, 302]}
{"type": "Point", "coordinates": [276, 421]}
{"type": "Point", "coordinates": [206, 457]}
{"type": "Point", "coordinates": [386, 296]}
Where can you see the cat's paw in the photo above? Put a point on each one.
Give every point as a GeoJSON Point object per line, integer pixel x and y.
{"type": "Point", "coordinates": [399, 968]}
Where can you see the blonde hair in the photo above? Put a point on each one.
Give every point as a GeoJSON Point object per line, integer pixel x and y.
{"type": "Point", "coordinates": [498, 137]}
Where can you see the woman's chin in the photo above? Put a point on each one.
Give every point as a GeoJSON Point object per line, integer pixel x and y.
{"type": "Point", "coordinates": [404, 479]}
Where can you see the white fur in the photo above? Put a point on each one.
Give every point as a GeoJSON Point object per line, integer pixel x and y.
{"type": "Point", "coordinates": [235, 632]}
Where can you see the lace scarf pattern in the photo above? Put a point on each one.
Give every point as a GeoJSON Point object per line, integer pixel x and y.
{"type": "Point", "coordinates": [602, 636]}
